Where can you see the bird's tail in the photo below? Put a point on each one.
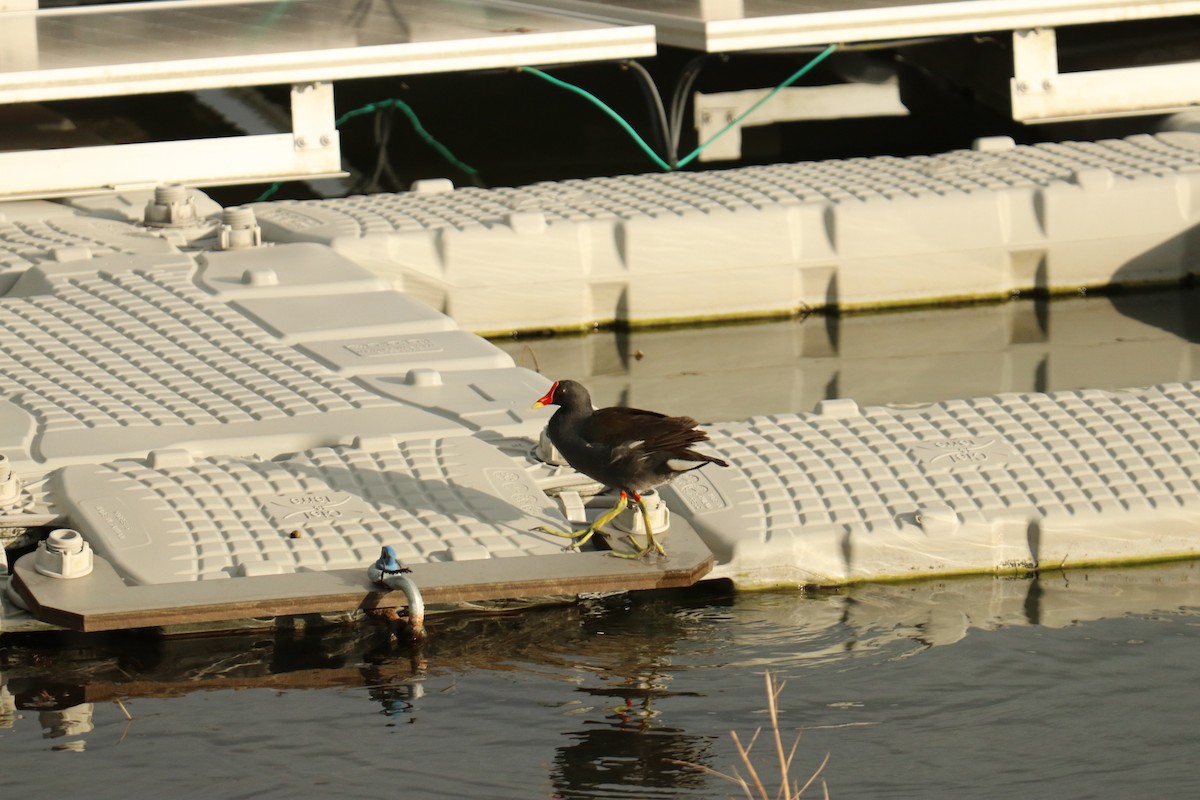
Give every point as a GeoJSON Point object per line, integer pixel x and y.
{"type": "Point", "coordinates": [689, 460]}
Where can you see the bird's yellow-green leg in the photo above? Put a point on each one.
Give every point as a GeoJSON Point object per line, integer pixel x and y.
{"type": "Point", "coordinates": [651, 542]}
{"type": "Point", "coordinates": [581, 536]}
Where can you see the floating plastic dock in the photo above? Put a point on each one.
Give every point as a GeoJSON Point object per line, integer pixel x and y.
{"type": "Point", "coordinates": [227, 429]}
{"type": "Point", "coordinates": [777, 239]}
{"type": "Point", "coordinates": [1009, 483]}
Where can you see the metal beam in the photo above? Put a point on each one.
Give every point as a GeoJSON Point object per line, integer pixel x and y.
{"type": "Point", "coordinates": [310, 150]}
{"type": "Point", "coordinates": [1040, 93]}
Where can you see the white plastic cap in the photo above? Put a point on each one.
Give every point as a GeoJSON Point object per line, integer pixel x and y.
{"type": "Point", "coordinates": [64, 554]}
{"type": "Point", "coordinates": [10, 484]}
{"type": "Point", "coordinates": [547, 452]}
{"type": "Point", "coordinates": [630, 519]}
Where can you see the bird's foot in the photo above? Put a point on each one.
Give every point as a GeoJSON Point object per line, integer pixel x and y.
{"type": "Point", "coordinates": [580, 537]}
{"type": "Point", "coordinates": [652, 544]}
{"type": "Point", "coordinates": [652, 547]}
{"type": "Point", "coordinates": [564, 534]}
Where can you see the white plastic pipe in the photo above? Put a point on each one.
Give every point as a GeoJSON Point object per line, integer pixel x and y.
{"type": "Point", "coordinates": [388, 572]}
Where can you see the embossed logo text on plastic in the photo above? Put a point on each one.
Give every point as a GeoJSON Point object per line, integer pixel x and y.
{"type": "Point", "coordinates": [698, 493]}
{"type": "Point", "coordinates": [291, 219]}
{"type": "Point", "coordinates": [963, 451]}
{"type": "Point", "coordinates": [514, 487]}
{"type": "Point", "coordinates": [393, 347]}
{"type": "Point", "coordinates": [299, 508]}
{"type": "Point", "coordinates": [116, 522]}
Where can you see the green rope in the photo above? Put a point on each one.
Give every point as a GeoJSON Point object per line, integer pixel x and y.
{"type": "Point", "coordinates": [416, 124]}
{"type": "Point", "coordinates": [683, 162]}
{"type": "Point", "coordinates": [596, 101]}
{"type": "Point", "coordinates": [797, 75]}
{"type": "Point", "coordinates": [591, 98]}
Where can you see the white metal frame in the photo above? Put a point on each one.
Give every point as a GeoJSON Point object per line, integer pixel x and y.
{"type": "Point", "coordinates": [838, 101]}
{"type": "Point", "coordinates": [1040, 93]}
{"type": "Point", "coordinates": [718, 26]}
{"type": "Point", "coordinates": [311, 149]}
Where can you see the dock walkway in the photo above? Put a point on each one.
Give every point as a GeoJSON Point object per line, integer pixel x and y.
{"type": "Point", "coordinates": [777, 239]}
{"type": "Point", "coordinates": [236, 432]}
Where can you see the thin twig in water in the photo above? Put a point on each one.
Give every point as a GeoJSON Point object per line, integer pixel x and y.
{"type": "Point", "coordinates": [744, 752]}
{"type": "Point", "coordinates": [788, 789]}
{"type": "Point", "coordinates": [773, 689]}
{"type": "Point", "coordinates": [536, 366]}
{"type": "Point", "coordinates": [124, 710]}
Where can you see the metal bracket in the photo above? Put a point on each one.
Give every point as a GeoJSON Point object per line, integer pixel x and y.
{"type": "Point", "coordinates": [1040, 93]}
{"type": "Point", "coordinates": [839, 101]}
{"type": "Point", "coordinates": [312, 119]}
{"type": "Point", "coordinates": [1035, 60]}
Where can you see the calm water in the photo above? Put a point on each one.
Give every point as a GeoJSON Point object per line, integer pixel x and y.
{"type": "Point", "coordinates": [1071, 685]}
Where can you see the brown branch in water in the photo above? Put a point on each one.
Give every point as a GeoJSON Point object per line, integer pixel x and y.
{"type": "Point", "coordinates": [789, 789]}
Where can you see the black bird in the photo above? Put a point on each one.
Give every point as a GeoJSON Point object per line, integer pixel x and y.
{"type": "Point", "coordinates": [624, 448]}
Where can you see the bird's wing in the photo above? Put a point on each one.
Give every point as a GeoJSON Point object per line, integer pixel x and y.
{"type": "Point", "coordinates": [634, 433]}
{"type": "Point", "coordinates": [616, 426]}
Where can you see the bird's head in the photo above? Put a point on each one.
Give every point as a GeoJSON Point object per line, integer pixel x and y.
{"type": "Point", "coordinates": [564, 393]}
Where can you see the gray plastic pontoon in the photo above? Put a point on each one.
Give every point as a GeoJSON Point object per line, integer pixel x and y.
{"type": "Point", "coordinates": [234, 430]}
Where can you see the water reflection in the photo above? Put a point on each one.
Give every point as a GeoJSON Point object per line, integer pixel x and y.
{"type": "Point", "coordinates": [598, 699]}
{"type": "Point", "coordinates": [1026, 345]}
{"type": "Point", "coordinates": [621, 655]}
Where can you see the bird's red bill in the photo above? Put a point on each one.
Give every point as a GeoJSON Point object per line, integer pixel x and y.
{"type": "Point", "coordinates": [548, 398]}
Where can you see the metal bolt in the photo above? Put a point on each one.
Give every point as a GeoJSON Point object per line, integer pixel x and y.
{"type": "Point", "coordinates": [301, 143]}
{"type": "Point", "coordinates": [326, 140]}
{"type": "Point", "coordinates": [1047, 85]}
{"type": "Point", "coordinates": [1022, 87]}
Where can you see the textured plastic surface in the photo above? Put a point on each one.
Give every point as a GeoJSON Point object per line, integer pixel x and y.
{"type": "Point", "coordinates": [267, 418]}
{"type": "Point", "coordinates": [1012, 482]}
{"type": "Point", "coordinates": [773, 239]}
{"type": "Point", "coordinates": [122, 355]}
{"type": "Point", "coordinates": [36, 233]}
{"type": "Point", "coordinates": [448, 499]}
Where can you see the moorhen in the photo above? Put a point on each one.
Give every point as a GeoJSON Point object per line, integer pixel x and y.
{"type": "Point", "coordinates": [624, 448]}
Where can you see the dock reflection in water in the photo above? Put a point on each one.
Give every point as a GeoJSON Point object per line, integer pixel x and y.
{"type": "Point", "coordinates": [1077, 681]}
{"type": "Point", "coordinates": [728, 372]}
{"type": "Point", "coordinates": [1070, 684]}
